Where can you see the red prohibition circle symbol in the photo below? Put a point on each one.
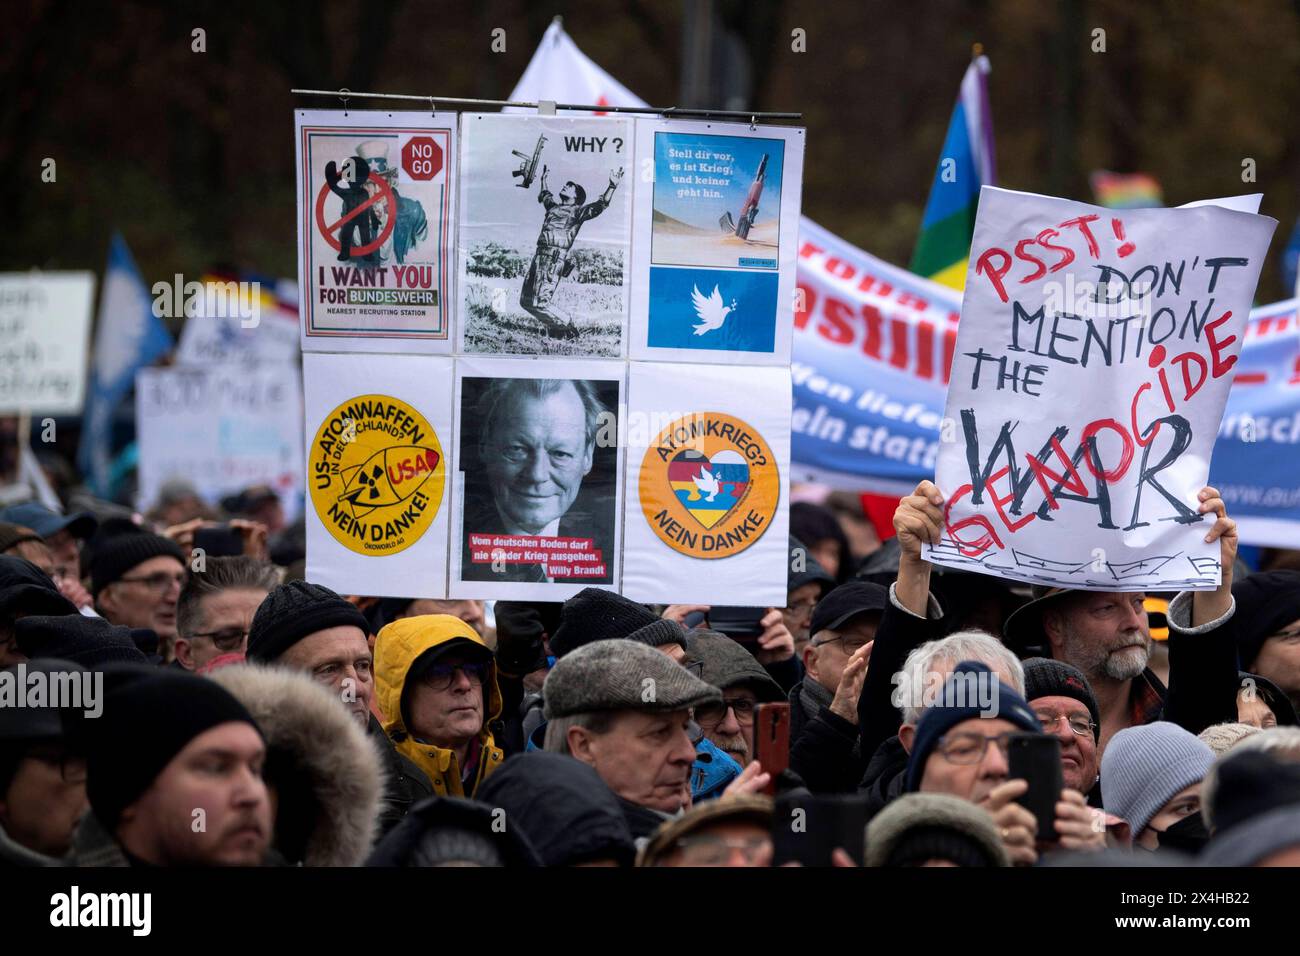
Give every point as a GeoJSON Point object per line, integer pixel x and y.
{"type": "Point", "coordinates": [328, 230]}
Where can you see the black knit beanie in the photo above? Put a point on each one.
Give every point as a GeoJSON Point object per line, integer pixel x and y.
{"type": "Point", "coordinates": [1046, 677]}
{"type": "Point", "coordinates": [597, 615]}
{"type": "Point", "coordinates": [91, 642]}
{"type": "Point", "coordinates": [805, 569]}
{"type": "Point", "coordinates": [659, 633]}
{"type": "Point", "coordinates": [116, 556]}
{"type": "Point", "coordinates": [294, 611]}
{"type": "Point", "coordinates": [149, 716]}
{"type": "Point", "coordinates": [1266, 602]}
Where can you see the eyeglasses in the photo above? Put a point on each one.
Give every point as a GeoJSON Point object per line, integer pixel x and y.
{"type": "Point", "coordinates": [850, 645]}
{"type": "Point", "coordinates": [72, 769]}
{"type": "Point", "coordinates": [159, 582]}
{"type": "Point", "coordinates": [226, 639]}
{"type": "Point", "coordinates": [441, 676]}
{"type": "Point", "coordinates": [1082, 726]}
{"type": "Point", "coordinates": [717, 851]}
{"type": "Point", "coordinates": [800, 609]}
{"type": "Point", "coordinates": [969, 748]}
{"type": "Point", "coordinates": [710, 715]}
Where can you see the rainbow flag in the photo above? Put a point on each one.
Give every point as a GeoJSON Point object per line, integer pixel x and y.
{"type": "Point", "coordinates": [1126, 190]}
{"type": "Point", "coordinates": [966, 164]}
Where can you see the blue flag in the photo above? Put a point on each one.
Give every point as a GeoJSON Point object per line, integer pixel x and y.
{"type": "Point", "coordinates": [129, 336]}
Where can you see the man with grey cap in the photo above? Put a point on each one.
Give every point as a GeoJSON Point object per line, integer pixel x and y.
{"type": "Point", "coordinates": [624, 709]}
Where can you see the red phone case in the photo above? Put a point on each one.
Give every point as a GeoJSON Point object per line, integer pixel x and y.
{"type": "Point", "coordinates": [772, 740]}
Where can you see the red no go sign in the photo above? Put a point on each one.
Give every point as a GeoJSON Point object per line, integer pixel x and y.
{"type": "Point", "coordinates": [422, 158]}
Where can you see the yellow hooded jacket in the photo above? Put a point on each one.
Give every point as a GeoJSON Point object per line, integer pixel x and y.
{"type": "Point", "coordinates": [397, 647]}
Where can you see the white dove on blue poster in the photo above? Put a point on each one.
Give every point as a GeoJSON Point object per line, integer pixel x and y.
{"type": "Point", "coordinates": [711, 311]}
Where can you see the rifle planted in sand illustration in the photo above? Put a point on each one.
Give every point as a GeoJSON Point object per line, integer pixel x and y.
{"type": "Point", "coordinates": [749, 211]}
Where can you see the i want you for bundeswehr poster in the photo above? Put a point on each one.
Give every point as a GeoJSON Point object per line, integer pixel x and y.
{"type": "Point", "coordinates": [376, 208]}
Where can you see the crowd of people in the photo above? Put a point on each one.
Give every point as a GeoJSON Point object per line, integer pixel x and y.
{"type": "Point", "coordinates": [165, 705]}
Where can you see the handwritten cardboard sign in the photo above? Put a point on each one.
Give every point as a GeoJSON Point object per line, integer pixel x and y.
{"type": "Point", "coordinates": [44, 328]}
{"type": "Point", "coordinates": [223, 428]}
{"type": "Point", "coordinates": [1093, 360]}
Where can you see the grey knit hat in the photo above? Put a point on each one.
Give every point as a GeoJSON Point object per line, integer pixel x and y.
{"type": "Point", "coordinates": [1144, 767]}
{"type": "Point", "coordinates": [727, 664]}
{"type": "Point", "coordinates": [659, 633]}
{"type": "Point", "coordinates": [939, 826]}
{"type": "Point", "coordinates": [621, 675]}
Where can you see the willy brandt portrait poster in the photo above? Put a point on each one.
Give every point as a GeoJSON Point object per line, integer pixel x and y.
{"type": "Point", "coordinates": [536, 476]}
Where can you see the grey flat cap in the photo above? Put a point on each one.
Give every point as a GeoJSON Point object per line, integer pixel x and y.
{"type": "Point", "coordinates": [621, 675]}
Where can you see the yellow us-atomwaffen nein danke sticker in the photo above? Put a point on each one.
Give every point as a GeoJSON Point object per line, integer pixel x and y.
{"type": "Point", "coordinates": [709, 485]}
{"type": "Point", "coordinates": [377, 474]}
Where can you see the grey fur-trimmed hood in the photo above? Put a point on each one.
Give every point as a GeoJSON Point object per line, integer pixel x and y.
{"type": "Point", "coordinates": [341, 770]}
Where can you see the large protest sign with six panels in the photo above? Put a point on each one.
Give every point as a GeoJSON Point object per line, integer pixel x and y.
{"type": "Point", "coordinates": [542, 474]}
{"type": "Point", "coordinates": [1093, 360]}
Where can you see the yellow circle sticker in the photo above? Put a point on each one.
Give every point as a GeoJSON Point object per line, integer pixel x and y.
{"type": "Point", "coordinates": [377, 472]}
{"type": "Point", "coordinates": [709, 485]}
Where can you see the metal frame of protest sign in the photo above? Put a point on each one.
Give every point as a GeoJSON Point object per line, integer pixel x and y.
{"type": "Point", "coordinates": [1092, 365]}
{"type": "Point", "coordinates": [492, 545]}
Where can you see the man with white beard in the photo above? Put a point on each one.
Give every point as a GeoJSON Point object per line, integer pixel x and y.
{"type": "Point", "coordinates": [1105, 635]}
